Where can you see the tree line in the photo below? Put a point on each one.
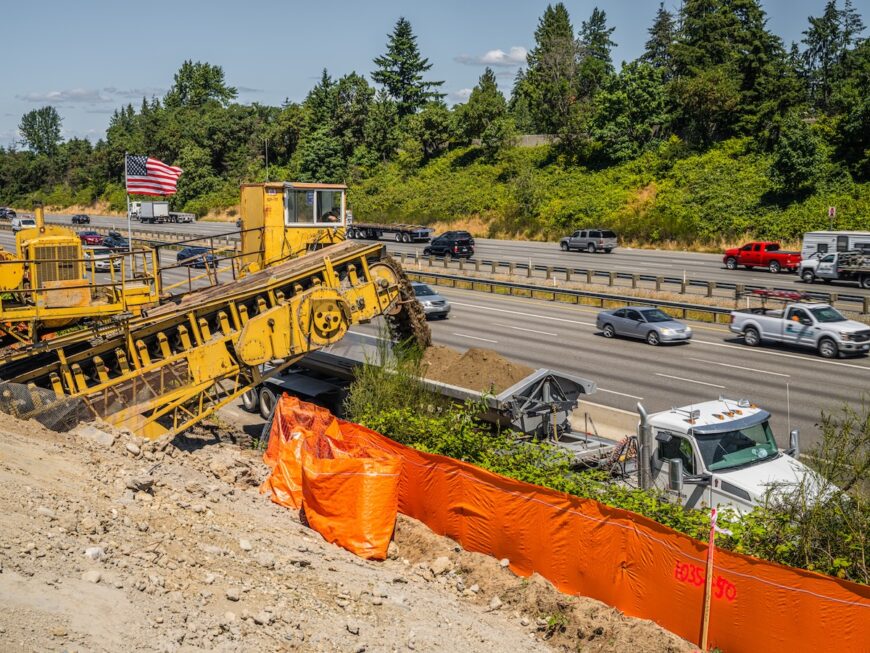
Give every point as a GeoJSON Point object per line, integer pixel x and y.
{"type": "Point", "coordinates": [709, 72]}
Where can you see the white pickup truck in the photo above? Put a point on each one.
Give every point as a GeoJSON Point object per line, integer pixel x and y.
{"type": "Point", "coordinates": [815, 326]}
{"type": "Point", "coordinates": [717, 453]}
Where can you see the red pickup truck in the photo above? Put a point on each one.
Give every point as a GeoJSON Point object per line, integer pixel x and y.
{"type": "Point", "coordinates": [761, 255]}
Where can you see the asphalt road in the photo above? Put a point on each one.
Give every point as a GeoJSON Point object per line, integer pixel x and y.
{"type": "Point", "coordinates": [692, 265]}
{"type": "Point", "coordinates": [562, 337]}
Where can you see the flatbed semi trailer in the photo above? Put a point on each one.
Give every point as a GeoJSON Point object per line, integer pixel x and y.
{"type": "Point", "coordinates": [401, 233]}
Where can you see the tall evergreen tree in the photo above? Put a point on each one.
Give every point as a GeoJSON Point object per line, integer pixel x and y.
{"type": "Point", "coordinates": [320, 102]}
{"type": "Point", "coordinates": [595, 44]}
{"type": "Point", "coordinates": [485, 104]}
{"type": "Point", "coordinates": [662, 35]}
{"type": "Point", "coordinates": [382, 127]}
{"type": "Point", "coordinates": [352, 100]}
{"type": "Point", "coordinates": [197, 83]}
{"type": "Point", "coordinates": [401, 70]}
{"type": "Point", "coordinates": [549, 87]}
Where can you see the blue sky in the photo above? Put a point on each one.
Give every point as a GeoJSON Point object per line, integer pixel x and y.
{"type": "Point", "coordinates": [87, 58]}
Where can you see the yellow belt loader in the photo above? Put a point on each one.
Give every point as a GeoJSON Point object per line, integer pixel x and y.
{"type": "Point", "coordinates": [181, 361]}
{"type": "Point", "coordinates": [50, 283]}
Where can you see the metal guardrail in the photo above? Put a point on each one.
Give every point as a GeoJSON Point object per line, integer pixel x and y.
{"type": "Point", "coordinates": [591, 276]}
{"type": "Point", "coordinates": [142, 235]}
{"type": "Point", "coordinates": [570, 296]}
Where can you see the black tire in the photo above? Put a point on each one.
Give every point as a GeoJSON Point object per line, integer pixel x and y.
{"type": "Point", "coordinates": [774, 267]}
{"type": "Point", "coordinates": [808, 276]}
{"type": "Point", "coordinates": [406, 238]}
{"type": "Point", "coordinates": [865, 281]}
{"type": "Point", "coordinates": [564, 247]}
{"type": "Point", "coordinates": [398, 237]}
{"type": "Point", "coordinates": [731, 263]}
{"type": "Point", "coordinates": [653, 338]}
{"type": "Point", "coordinates": [828, 348]}
{"type": "Point", "coordinates": [267, 402]}
{"type": "Point", "coordinates": [751, 336]}
{"type": "Point", "coordinates": [427, 251]}
{"type": "Point", "coordinates": [251, 400]}
{"type": "Point", "coordinates": [590, 248]}
{"type": "Point", "coordinates": [608, 331]}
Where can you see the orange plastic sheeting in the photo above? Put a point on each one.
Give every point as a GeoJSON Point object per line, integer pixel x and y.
{"type": "Point", "coordinates": [630, 562]}
{"type": "Point", "coordinates": [293, 422]}
{"type": "Point", "coordinates": [350, 493]}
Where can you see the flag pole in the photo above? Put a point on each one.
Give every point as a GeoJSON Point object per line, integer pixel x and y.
{"type": "Point", "coordinates": [129, 221]}
{"type": "Point", "coordinates": [708, 581]}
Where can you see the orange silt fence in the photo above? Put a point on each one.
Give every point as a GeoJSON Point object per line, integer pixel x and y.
{"type": "Point", "coordinates": [643, 568]}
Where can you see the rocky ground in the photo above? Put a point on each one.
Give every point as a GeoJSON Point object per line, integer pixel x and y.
{"type": "Point", "coordinates": [112, 543]}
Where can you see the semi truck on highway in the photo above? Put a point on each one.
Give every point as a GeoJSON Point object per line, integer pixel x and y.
{"type": "Point", "coordinates": [801, 324]}
{"type": "Point", "coordinates": [716, 453]}
{"type": "Point", "coordinates": [158, 213]}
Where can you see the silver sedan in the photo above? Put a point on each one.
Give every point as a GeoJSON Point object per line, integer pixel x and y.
{"type": "Point", "coordinates": [650, 324]}
{"type": "Point", "coordinates": [434, 305]}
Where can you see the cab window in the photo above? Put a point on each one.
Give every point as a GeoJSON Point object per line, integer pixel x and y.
{"type": "Point", "coordinates": [799, 315]}
{"type": "Point", "coordinates": [299, 206]}
{"type": "Point", "coordinates": [680, 449]}
{"type": "Point", "coordinates": [328, 205]}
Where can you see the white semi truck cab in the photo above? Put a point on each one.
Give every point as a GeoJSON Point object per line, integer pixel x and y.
{"type": "Point", "coordinates": [716, 453]}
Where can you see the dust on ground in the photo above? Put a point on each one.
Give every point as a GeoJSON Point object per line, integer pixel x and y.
{"type": "Point", "coordinates": [109, 542]}
{"type": "Point", "coordinates": [477, 369]}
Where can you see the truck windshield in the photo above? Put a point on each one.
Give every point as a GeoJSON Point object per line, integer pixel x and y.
{"type": "Point", "coordinates": [827, 314]}
{"type": "Point", "coordinates": [731, 449]}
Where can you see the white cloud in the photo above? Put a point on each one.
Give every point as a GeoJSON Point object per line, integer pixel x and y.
{"type": "Point", "coordinates": [461, 95]}
{"type": "Point", "coordinates": [69, 96]}
{"type": "Point", "coordinates": [135, 92]}
{"type": "Point", "coordinates": [516, 56]}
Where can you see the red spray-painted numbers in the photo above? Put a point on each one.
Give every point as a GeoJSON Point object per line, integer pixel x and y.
{"type": "Point", "coordinates": [694, 575]}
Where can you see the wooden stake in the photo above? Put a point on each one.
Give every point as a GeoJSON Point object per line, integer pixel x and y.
{"type": "Point", "coordinates": [708, 582]}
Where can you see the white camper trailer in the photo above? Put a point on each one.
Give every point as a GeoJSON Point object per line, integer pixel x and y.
{"type": "Point", "coordinates": [824, 242]}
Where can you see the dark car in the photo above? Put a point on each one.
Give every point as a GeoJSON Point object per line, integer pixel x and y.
{"type": "Point", "coordinates": [196, 257]}
{"type": "Point", "coordinates": [116, 241]}
{"type": "Point", "coordinates": [7, 213]}
{"type": "Point", "coordinates": [91, 238]}
{"type": "Point", "coordinates": [81, 218]}
{"type": "Point", "coordinates": [452, 244]}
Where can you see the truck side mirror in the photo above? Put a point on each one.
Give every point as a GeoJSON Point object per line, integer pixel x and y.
{"type": "Point", "coordinates": [794, 444]}
{"type": "Point", "coordinates": [675, 475]}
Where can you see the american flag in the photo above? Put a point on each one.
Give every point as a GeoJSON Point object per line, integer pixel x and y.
{"type": "Point", "coordinates": [147, 176]}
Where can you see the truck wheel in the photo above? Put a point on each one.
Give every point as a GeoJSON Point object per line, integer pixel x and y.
{"type": "Point", "coordinates": [751, 337]}
{"type": "Point", "coordinates": [406, 238]}
{"type": "Point", "coordinates": [267, 402]}
{"type": "Point", "coordinates": [250, 400]}
{"type": "Point", "coordinates": [774, 267]}
{"type": "Point", "coordinates": [731, 263]}
{"type": "Point", "coordinates": [652, 338]}
{"type": "Point", "coordinates": [808, 276]}
{"type": "Point", "coordinates": [865, 281]}
{"type": "Point", "coordinates": [564, 246]}
{"type": "Point", "coordinates": [398, 237]}
{"type": "Point", "coordinates": [590, 248]}
{"type": "Point", "coordinates": [828, 348]}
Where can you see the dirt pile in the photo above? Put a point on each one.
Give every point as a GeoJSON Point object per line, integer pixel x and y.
{"type": "Point", "coordinates": [112, 543]}
{"type": "Point", "coordinates": [478, 369]}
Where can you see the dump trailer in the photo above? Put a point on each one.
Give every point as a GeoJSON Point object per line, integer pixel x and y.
{"type": "Point", "coordinates": [401, 233]}
{"type": "Point", "coordinates": [51, 282]}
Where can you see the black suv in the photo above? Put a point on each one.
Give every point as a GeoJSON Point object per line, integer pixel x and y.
{"type": "Point", "coordinates": [116, 241]}
{"type": "Point", "coordinates": [452, 244]}
{"type": "Point", "coordinates": [81, 218]}
{"type": "Point", "coordinates": [196, 257]}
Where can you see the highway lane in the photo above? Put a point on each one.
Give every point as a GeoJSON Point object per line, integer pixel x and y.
{"type": "Point", "coordinates": [692, 265]}
{"type": "Point", "coordinates": [563, 337]}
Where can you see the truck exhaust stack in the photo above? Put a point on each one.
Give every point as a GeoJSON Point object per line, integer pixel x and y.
{"type": "Point", "coordinates": [644, 439]}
